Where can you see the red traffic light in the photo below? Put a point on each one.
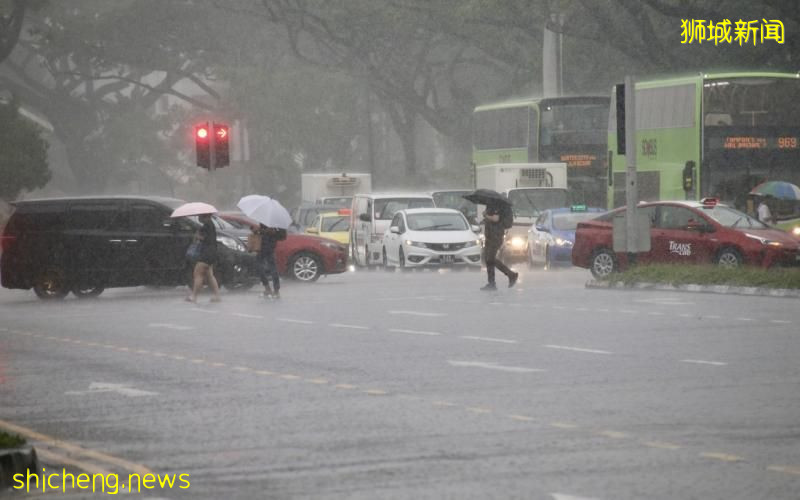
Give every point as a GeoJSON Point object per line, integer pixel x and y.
{"type": "Point", "coordinates": [221, 130]}
{"type": "Point", "coordinates": [202, 132]}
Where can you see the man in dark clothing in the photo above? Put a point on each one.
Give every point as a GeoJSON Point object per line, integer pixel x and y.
{"type": "Point", "coordinates": [495, 234]}
{"type": "Point", "coordinates": [270, 237]}
{"type": "Point", "coordinates": [204, 267]}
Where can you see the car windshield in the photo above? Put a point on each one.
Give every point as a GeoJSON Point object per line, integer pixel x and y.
{"type": "Point", "coordinates": [437, 222]}
{"type": "Point", "coordinates": [456, 201]}
{"type": "Point", "coordinates": [569, 221]}
{"type": "Point", "coordinates": [335, 223]}
{"type": "Point", "coordinates": [385, 208]}
{"type": "Point", "coordinates": [531, 202]}
{"type": "Point", "coordinates": [733, 218]}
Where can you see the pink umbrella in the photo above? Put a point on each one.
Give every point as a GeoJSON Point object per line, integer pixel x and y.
{"type": "Point", "coordinates": [194, 208]}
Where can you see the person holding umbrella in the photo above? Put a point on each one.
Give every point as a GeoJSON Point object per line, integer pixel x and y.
{"type": "Point", "coordinates": [273, 221]}
{"type": "Point", "coordinates": [204, 267]}
{"type": "Point", "coordinates": [495, 224]}
{"type": "Point", "coordinates": [270, 236]}
{"type": "Point", "coordinates": [207, 254]}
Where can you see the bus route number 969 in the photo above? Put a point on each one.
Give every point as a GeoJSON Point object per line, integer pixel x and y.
{"type": "Point", "coordinates": [787, 142]}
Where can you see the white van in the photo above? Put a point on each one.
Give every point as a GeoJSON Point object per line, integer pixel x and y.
{"type": "Point", "coordinates": [372, 214]}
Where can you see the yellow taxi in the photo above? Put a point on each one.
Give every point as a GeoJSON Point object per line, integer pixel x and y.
{"type": "Point", "coordinates": [333, 225]}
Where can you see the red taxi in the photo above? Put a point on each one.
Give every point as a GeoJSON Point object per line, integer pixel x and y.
{"type": "Point", "coordinates": [687, 232]}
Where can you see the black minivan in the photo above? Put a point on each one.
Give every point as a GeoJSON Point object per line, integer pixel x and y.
{"type": "Point", "coordinates": [87, 244]}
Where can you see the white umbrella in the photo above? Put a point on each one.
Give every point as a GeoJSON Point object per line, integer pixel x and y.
{"type": "Point", "coordinates": [265, 210]}
{"type": "Point", "coordinates": [194, 208]}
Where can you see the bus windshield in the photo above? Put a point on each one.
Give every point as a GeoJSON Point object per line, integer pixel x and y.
{"type": "Point", "coordinates": [751, 102]}
{"type": "Point", "coordinates": [573, 124]}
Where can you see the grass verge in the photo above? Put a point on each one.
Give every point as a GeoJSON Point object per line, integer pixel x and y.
{"type": "Point", "coordinates": [710, 275]}
{"type": "Point", "coordinates": [10, 440]}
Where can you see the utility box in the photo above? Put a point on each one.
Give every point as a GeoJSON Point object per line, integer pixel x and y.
{"type": "Point", "coordinates": [619, 232]}
{"type": "Point", "coordinates": [317, 186]}
{"type": "Point", "coordinates": [504, 176]}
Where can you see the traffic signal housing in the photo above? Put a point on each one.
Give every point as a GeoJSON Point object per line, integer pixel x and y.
{"type": "Point", "coordinates": [202, 142]}
{"type": "Point", "coordinates": [221, 145]}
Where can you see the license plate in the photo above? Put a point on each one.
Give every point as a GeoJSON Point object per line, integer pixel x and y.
{"type": "Point", "coordinates": [447, 259]}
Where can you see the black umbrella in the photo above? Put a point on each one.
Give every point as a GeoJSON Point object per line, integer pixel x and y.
{"type": "Point", "coordinates": [487, 197]}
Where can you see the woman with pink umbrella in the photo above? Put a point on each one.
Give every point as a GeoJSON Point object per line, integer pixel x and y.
{"type": "Point", "coordinates": [207, 254]}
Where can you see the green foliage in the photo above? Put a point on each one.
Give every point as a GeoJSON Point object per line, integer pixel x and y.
{"type": "Point", "coordinates": [710, 275]}
{"type": "Point", "coordinates": [23, 154]}
{"type": "Point", "coordinates": [10, 440]}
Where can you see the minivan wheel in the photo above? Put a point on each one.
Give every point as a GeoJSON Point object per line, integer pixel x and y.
{"type": "Point", "coordinates": [51, 284]}
{"type": "Point", "coordinates": [305, 267]}
{"type": "Point", "coordinates": [87, 291]}
{"type": "Point", "coordinates": [603, 263]}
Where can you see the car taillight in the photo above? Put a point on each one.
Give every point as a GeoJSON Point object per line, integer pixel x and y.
{"type": "Point", "coordinates": [6, 241]}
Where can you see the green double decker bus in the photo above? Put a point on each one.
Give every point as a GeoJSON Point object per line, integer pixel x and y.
{"type": "Point", "coordinates": [571, 130]}
{"type": "Point", "coordinates": [710, 135]}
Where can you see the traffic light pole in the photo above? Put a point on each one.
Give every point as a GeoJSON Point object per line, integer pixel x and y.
{"type": "Point", "coordinates": [212, 156]}
{"type": "Point", "coordinates": [631, 188]}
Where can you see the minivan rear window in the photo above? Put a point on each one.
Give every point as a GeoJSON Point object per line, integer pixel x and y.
{"type": "Point", "coordinates": [33, 218]}
{"type": "Point", "coordinates": [96, 216]}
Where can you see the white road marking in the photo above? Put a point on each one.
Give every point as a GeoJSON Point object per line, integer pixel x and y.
{"type": "Point", "coordinates": [245, 315]}
{"type": "Point", "coordinates": [414, 332]}
{"type": "Point", "coordinates": [561, 496]}
{"type": "Point", "coordinates": [577, 349]}
{"type": "Point", "coordinates": [702, 362]}
{"type": "Point", "coordinates": [489, 339]}
{"type": "Point", "coordinates": [300, 321]}
{"type": "Point", "coordinates": [780, 321]}
{"type": "Point", "coordinates": [355, 327]}
{"type": "Point", "coordinates": [200, 309]}
{"type": "Point", "coordinates": [170, 326]}
{"type": "Point", "coordinates": [684, 315]}
{"type": "Point", "coordinates": [123, 389]}
{"type": "Point", "coordinates": [745, 319]}
{"type": "Point", "coordinates": [655, 313]}
{"type": "Point", "coordinates": [418, 313]}
{"type": "Point", "coordinates": [626, 311]}
{"type": "Point", "coordinates": [493, 366]}
{"type": "Point", "coordinates": [713, 316]}
{"type": "Point", "coordinates": [666, 301]}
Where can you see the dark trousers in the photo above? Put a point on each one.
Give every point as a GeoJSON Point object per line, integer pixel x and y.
{"type": "Point", "coordinates": [269, 270]}
{"type": "Point", "coordinates": [490, 256]}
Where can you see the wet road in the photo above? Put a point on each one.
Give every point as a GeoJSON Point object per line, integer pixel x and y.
{"type": "Point", "coordinates": [416, 385]}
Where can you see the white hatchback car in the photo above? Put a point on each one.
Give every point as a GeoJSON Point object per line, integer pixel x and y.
{"type": "Point", "coordinates": [431, 236]}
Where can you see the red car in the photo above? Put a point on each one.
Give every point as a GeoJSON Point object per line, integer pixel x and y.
{"type": "Point", "coordinates": [300, 256]}
{"type": "Point", "coordinates": [688, 232]}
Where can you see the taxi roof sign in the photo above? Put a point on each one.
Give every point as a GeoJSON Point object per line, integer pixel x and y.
{"type": "Point", "coordinates": [577, 208]}
{"type": "Point", "coordinates": [345, 211]}
{"type": "Point", "coordinates": [709, 202]}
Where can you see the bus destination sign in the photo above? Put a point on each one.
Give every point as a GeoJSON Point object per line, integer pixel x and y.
{"type": "Point", "coordinates": [759, 142]}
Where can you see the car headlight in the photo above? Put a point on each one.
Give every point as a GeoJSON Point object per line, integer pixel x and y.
{"type": "Point", "coordinates": [563, 243]}
{"type": "Point", "coordinates": [416, 244]}
{"type": "Point", "coordinates": [764, 241]}
{"type": "Point", "coordinates": [796, 231]}
{"type": "Point", "coordinates": [516, 242]}
{"type": "Point", "coordinates": [232, 243]}
{"type": "Point", "coordinates": [472, 243]}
